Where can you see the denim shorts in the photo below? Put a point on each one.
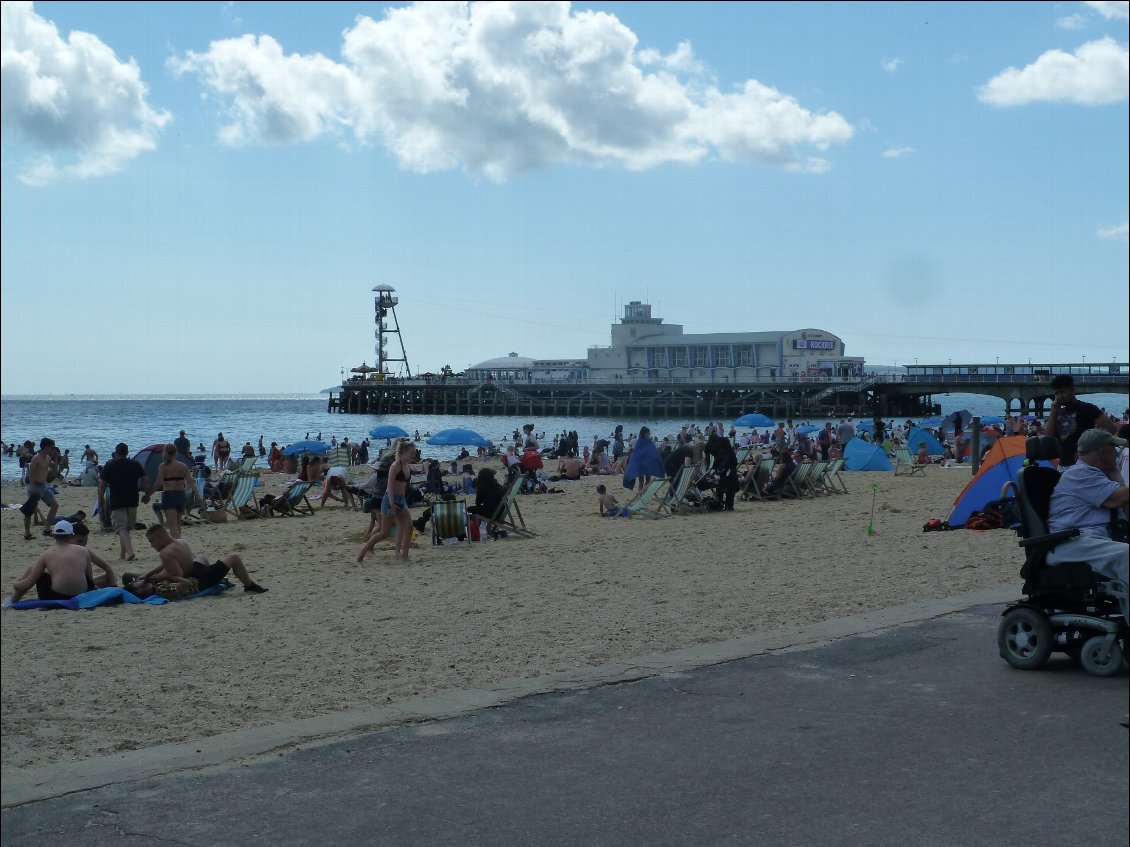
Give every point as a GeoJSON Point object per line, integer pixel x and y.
{"type": "Point", "coordinates": [388, 502]}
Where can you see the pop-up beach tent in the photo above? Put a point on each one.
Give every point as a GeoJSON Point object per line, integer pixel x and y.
{"type": "Point", "coordinates": [859, 455]}
{"type": "Point", "coordinates": [917, 436]}
{"type": "Point", "coordinates": [151, 457]}
{"type": "Point", "coordinates": [999, 465]}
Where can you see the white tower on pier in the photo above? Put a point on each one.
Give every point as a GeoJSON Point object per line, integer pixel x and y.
{"type": "Point", "coordinates": [384, 305]}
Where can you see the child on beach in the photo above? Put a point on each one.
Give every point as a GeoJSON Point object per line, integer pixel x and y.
{"type": "Point", "coordinates": [609, 508]}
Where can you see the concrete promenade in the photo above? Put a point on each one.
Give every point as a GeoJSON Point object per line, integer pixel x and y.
{"type": "Point", "coordinates": [894, 727]}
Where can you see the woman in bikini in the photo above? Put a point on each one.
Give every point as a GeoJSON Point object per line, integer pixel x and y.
{"type": "Point", "coordinates": [394, 505]}
{"type": "Point", "coordinates": [174, 480]}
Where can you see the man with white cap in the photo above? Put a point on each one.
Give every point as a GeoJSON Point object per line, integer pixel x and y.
{"type": "Point", "coordinates": [1083, 499]}
{"type": "Point", "coordinates": [61, 573]}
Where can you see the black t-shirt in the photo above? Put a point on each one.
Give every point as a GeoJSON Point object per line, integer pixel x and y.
{"type": "Point", "coordinates": [121, 477]}
{"type": "Point", "coordinates": [1072, 421]}
{"type": "Point", "coordinates": [183, 445]}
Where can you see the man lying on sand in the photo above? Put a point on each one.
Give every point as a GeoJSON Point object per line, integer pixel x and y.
{"type": "Point", "coordinates": [181, 573]}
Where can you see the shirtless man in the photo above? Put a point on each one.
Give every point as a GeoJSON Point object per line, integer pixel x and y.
{"type": "Point", "coordinates": [569, 467]}
{"type": "Point", "coordinates": [181, 573]}
{"type": "Point", "coordinates": [37, 472]}
{"type": "Point", "coordinates": [61, 573]}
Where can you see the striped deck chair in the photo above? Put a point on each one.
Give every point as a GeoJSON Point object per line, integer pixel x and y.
{"type": "Point", "coordinates": [295, 496]}
{"type": "Point", "coordinates": [818, 483]}
{"type": "Point", "coordinates": [449, 520]}
{"type": "Point", "coordinates": [639, 504]}
{"type": "Point", "coordinates": [241, 500]}
{"type": "Point", "coordinates": [803, 481]}
{"type": "Point", "coordinates": [832, 479]}
{"type": "Point", "coordinates": [760, 480]}
{"type": "Point", "coordinates": [674, 500]}
{"type": "Point", "coordinates": [508, 516]}
{"type": "Point", "coordinates": [905, 464]}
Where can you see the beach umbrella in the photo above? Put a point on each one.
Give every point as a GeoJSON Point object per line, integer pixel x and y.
{"type": "Point", "coordinates": [363, 369]}
{"type": "Point", "coordinates": [754, 419]}
{"type": "Point", "coordinates": [318, 448]}
{"type": "Point", "coordinates": [866, 426]}
{"type": "Point", "coordinates": [447, 437]}
{"type": "Point", "coordinates": [990, 420]}
{"type": "Point", "coordinates": [388, 431]}
{"type": "Point", "coordinates": [805, 430]}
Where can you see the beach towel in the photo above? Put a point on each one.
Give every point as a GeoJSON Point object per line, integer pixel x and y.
{"type": "Point", "coordinates": [104, 597]}
{"type": "Point", "coordinates": [643, 461]}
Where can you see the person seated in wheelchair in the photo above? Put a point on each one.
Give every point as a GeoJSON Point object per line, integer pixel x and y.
{"type": "Point", "coordinates": [1083, 498]}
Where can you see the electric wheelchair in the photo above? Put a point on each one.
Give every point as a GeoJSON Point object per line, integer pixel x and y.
{"type": "Point", "coordinates": [1066, 608]}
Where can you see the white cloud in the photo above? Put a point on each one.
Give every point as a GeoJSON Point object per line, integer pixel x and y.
{"type": "Point", "coordinates": [1072, 22]}
{"type": "Point", "coordinates": [1111, 9]}
{"type": "Point", "coordinates": [72, 101]}
{"type": "Point", "coordinates": [1097, 73]}
{"type": "Point", "coordinates": [503, 88]}
{"type": "Point", "coordinates": [891, 65]}
{"type": "Point", "coordinates": [1115, 233]}
{"type": "Point", "coordinates": [897, 152]}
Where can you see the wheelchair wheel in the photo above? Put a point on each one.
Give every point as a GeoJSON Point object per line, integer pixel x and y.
{"type": "Point", "coordinates": [1024, 638]}
{"type": "Point", "coordinates": [1097, 660]}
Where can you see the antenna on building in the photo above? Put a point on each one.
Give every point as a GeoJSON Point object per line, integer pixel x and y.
{"type": "Point", "coordinates": [384, 307]}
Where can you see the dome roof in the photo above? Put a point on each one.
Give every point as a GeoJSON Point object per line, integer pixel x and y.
{"type": "Point", "coordinates": [513, 362]}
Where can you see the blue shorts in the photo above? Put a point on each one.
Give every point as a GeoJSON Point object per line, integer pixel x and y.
{"type": "Point", "coordinates": [387, 503]}
{"type": "Point", "coordinates": [174, 501]}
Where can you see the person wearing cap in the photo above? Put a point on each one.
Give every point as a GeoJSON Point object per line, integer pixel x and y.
{"type": "Point", "coordinates": [60, 573]}
{"type": "Point", "coordinates": [1070, 417]}
{"type": "Point", "coordinates": [1083, 499]}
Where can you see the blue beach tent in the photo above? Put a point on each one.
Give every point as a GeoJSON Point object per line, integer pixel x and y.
{"type": "Point", "coordinates": [859, 455]}
{"type": "Point", "coordinates": [917, 436]}
{"type": "Point", "coordinates": [1000, 465]}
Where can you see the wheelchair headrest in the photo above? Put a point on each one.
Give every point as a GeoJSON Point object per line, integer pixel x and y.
{"type": "Point", "coordinates": [1041, 447]}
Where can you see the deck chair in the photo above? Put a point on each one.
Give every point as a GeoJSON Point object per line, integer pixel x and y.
{"type": "Point", "coordinates": [295, 496]}
{"type": "Point", "coordinates": [832, 479]}
{"type": "Point", "coordinates": [246, 465]}
{"type": "Point", "coordinates": [449, 520]}
{"type": "Point", "coordinates": [242, 497]}
{"type": "Point", "coordinates": [675, 499]}
{"type": "Point", "coordinates": [816, 480]}
{"type": "Point", "coordinates": [508, 516]}
{"type": "Point", "coordinates": [905, 464]}
{"type": "Point", "coordinates": [639, 505]}
{"type": "Point", "coordinates": [760, 480]}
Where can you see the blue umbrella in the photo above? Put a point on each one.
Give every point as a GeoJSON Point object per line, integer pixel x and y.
{"type": "Point", "coordinates": [989, 420]}
{"type": "Point", "coordinates": [754, 419]}
{"type": "Point", "coordinates": [447, 437]}
{"type": "Point", "coordinates": [388, 431]}
{"type": "Point", "coordinates": [930, 422]}
{"type": "Point", "coordinates": [318, 448]}
{"type": "Point", "coordinates": [866, 426]}
{"type": "Point", "coordinates": [804, 430]}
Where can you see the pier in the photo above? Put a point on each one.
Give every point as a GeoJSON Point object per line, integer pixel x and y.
{"type": "Point", "coordinates": [1023, 388]}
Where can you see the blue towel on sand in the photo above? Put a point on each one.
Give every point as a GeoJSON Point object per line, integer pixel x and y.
{"type": "Point", "coordinates": [644, 461]}
{"type": "Point", "coordinates": [105, 597]}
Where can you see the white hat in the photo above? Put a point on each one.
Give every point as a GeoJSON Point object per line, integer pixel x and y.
{"type": "Point", "coordinates": [63, 528]}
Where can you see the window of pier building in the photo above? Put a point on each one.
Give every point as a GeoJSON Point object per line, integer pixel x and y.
{"type": "Point", "coordinates": [722, 357]}
{"type": "Point", "coordinates": [744, 354]}
{"type": "Point", "coordinates": [678, 357]}
{"type": "Point", "coordinates": [658, 357]}
{"type": "Point", "coordinates": [700, 357]}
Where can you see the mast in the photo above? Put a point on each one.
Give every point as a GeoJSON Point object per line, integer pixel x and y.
{"type": "Point", "coordinates": [384, 307]}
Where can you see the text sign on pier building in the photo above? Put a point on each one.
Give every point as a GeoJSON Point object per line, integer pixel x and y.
{"type": "Point", "coordinates": [813, 344]}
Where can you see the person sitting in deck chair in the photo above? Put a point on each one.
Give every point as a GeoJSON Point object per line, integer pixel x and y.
{"type": "Point", "coordinates": [781, 473]}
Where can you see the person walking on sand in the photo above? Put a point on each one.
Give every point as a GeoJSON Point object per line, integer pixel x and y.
{"type": "Point", "coordinates": [38, 471]}
{"type": "Point", "coordinates": [122, 475]}
{"type": "Point", "coordinates": [394, 505]}
{"type": "Point", "coordinates": [175, 481]}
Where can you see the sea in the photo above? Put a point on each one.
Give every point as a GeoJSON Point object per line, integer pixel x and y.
{"type": "Point", "coordinates": [102, 421]}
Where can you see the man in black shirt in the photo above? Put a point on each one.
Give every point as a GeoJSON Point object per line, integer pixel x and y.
{"type": "Point", "coordinates": [1071, 417]}
{"type": "Point", "coordinates": [125, 477]}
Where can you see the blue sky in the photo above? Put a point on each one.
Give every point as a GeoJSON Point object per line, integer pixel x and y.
{"type": "Point", "coordinates": [199, 197]}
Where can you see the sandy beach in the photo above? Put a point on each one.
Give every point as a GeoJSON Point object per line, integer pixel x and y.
{"type": "Point", "coordinates": [333, 634]}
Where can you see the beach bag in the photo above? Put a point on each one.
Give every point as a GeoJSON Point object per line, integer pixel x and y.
{"type": "Point", "coordinates": [934, 525]}
{"type": "Point", "coordinates": [985, 519]}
